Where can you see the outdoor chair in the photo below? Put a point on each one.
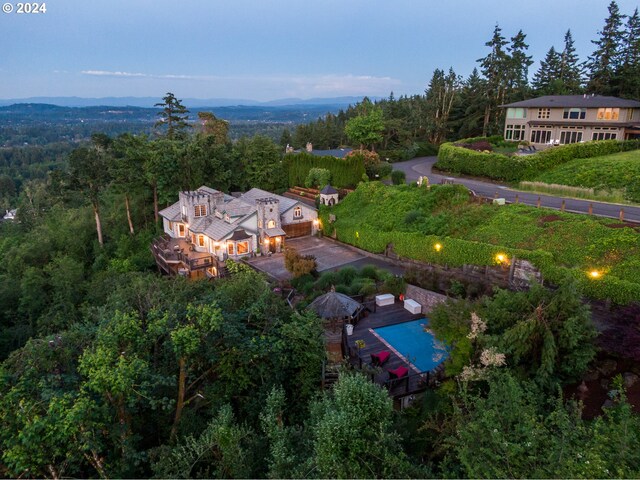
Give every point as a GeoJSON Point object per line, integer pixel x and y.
{"type": "Point", "coordinates": [398, 373]}
{"type": "Point", "coordinates": [379, 359]}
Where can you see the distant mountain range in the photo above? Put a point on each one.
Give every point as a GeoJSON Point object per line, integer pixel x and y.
{"type": "Point", "coordinates": [148, 102]}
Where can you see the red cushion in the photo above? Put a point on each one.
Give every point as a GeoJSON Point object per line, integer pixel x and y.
{"type": "Point", "coordinates": [383, 356]}
{"type": "Point", "coordinates": [399, 372]}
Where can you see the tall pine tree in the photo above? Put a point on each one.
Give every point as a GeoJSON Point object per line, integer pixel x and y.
{"type": "Point", "coordinates": [570, 73]}
{"type": "Point", "coordinates": [604, 62]}
{"type": "Point", "coordinates": [545, 80]}
{"type": "Point", "coordinates": [628, 74]}
{"type": "Point", "coordinates": [495, 69]}
{"type": "Point", "coordinates": [519, 63]}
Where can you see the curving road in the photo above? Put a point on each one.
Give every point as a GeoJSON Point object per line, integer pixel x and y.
{"type": "Point", "coordinates": [422, 166]}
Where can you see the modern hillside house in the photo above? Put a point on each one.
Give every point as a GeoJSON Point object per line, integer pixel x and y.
{"type": "Point", "coordinates": [562, 119]}
{"type": "Point", "coordinates": [205, 227]}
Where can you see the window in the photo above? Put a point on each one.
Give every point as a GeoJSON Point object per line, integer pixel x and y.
{"type": "Point", "coordinates": [629, 114]}
{"type": "Point", "coordinates": [242, 248]}
{"type": "Point", "coordinates": [570, 137]}
{"type": "Point", "coordinates": [297, 212]}
{"type": "Point", "coordinates": [540, 136]}
{"type": "Point", "coordinates": [516, 113]}
{"type": "Point", "coordinates": [230, 248]}
{"type": "Point", "coordinates": [604, 136]}
{"type": "Point", "coordinates": [201, 240]}
{"type": "Point", "coordinates": [608, 113]}
{"type": "Point", "coordinates": [271, 224]}
{"type": "Point", "coordinates": [514, 132]}
{"type": "Point", "coordinates": [181, 230]}
{"type": "Point", "coordinates": [544, 113]}
{"type": "Point", "coordinates": [574, 113]}
{"type": "Point", "coordinates": [193, 238]}
{"type": "Point", "coordinates": [260, 223]}
{"type": "Point", "coordinates": [200, 210]}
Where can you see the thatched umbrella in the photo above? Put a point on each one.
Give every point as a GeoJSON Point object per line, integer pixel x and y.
{"type": "Point", "coordinates": [334, 305]}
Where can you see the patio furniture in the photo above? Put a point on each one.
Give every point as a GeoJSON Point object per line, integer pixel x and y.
{"type": "Point", "coordinates": [398, 373]}
{"type": "Point", "coordinates": [380, 358]}
{"type": "Point", "coordinates": [385, 299]}
{"type": "Point", "coordinates": [413, 306]}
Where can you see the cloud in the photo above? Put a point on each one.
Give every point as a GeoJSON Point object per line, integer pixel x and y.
{"type": "Point", "coordinates": [330, 84]}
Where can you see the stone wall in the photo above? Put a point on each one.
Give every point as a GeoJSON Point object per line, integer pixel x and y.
{"type": "Point", "coordinates": [426, 298]}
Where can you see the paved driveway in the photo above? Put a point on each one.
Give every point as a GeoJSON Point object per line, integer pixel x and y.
{"type": "Point", "coordinates": [422, 166]}
{"type": "Point", "coordinates": [329, 255]}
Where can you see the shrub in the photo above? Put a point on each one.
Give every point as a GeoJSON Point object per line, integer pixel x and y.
{"type": "Point", "coordinates": [369, 271]}
{"type": "Point", "coordinates": [398, 177]}
{"type": "Point", "coordinates": [318, 178]}
{"type": "Point", "coordinates": [383, 170]}
{"type": "Point", "coordinates": [298, 264]}
{"type": "Point", "coordinates": [326, 280]}
{"type": "Point", "coordinates": [345, 172]}
{"type": "Point", "coordinates": [346, 275]}
{"type": "Point", "coordinates": [454, 159]}
{"type": "Point", "coordinates": [394, 285]}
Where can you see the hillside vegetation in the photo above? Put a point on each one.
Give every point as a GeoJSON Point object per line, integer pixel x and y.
{"type": "Point", "coordinates": [414, 219]}
{"type": "Point", "coordinates": [620, 171]}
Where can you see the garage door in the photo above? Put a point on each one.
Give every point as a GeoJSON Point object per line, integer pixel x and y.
{"type": "Point", "coordinates": [297, 229]}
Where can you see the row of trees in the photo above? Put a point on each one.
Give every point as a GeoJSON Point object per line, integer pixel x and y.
{"type": "Point", "coordinates": [453, 107]}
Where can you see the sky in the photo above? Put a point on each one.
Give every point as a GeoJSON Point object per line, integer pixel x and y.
{"type": "Point", "coordinates": [270, 49]}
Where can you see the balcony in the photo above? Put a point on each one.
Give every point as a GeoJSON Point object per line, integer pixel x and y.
{"type": "Point", "coordinates": [177, 256]}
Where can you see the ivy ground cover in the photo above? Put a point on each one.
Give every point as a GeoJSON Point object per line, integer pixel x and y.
{"type": "Point", "coordinates": [440, 225]}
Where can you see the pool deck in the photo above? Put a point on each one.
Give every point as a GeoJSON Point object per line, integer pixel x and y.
{"type": "Point", "coordinates": [363, 330]}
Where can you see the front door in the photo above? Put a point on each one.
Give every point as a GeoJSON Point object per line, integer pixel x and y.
{"type": "Point", "coordinates": [272, 244]}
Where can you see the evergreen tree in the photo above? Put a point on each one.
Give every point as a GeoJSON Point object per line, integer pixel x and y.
{"type": "Point", "coordinates": [174, 116]}
{"type": "Point", "coordinates": [469, 116]}
{"type": "Point", "coordinates": [628, 74]}
{"type": "Point", "coordinates": [544, 80]}
{"type": "Point", "coordinates": [570, 70]}
{"type": "Point", "coordinates": [495, 68]}
{"type": "Point", "coordinates": [604, 62]}
{"type": "Point", "coordinates": [519, 63]}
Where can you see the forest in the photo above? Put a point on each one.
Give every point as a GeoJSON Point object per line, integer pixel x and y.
{"type": "Point", "coordinates": [110, 370]}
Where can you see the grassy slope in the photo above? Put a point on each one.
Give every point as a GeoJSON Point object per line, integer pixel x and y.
{"type": "Point", "coordinates": [617, 171]}
{"type": "Point", "coordinates": [577, 242]}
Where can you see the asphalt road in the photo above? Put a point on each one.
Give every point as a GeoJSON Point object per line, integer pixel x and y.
{"type": "Point", "coordinates": [422, 166]}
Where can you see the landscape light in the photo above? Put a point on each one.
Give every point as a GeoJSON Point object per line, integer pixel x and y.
{"type": "Point", "coordinates": [594, 274]}
{"type": "Point", "coordinates": [501, 258]}
{"type": "Point", "coordinates": [438, 247]}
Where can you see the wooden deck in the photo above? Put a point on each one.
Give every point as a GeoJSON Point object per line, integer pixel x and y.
{"type": "Point", "coordinates": [416, 381]}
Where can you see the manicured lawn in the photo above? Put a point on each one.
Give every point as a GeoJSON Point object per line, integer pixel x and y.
{"type": "Point", "coordinates": [609, 172]}
{"type": "Point", "coordinates": [415, 219]}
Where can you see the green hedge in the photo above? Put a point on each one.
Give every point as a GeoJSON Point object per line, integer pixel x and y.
{"type": "Point", "coordinates": [515, 168]}
{"type": "Point", "coordinates": [345, 173]}
{"type": "Point", "coordinates": [456, 252]}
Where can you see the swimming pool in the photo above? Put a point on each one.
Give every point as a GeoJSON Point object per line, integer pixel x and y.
{"type": "Point", "coordinates": [412, 342]}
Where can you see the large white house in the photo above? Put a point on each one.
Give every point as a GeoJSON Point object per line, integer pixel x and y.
{"type": "Point", "coordinates": [205, 227]}
{"type": "Point", "coordinates": [562, 119]}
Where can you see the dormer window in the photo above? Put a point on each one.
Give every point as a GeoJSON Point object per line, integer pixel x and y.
{"type": "Point", "coordinates": [271, 224]}
{"type": "Point", "coordinates": [297, 212]}
{"type": "Point", "coordinates": [260, 223]}
{"type": "Point", "coordinates": [200, 210]}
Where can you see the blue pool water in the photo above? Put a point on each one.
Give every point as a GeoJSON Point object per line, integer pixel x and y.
{"type": "Point", "coordinates": [414, 343]}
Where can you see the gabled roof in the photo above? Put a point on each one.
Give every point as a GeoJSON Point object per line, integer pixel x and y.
{"type": "Point", "coordinates": [575, 101]}
{"type": "Point", "coordinates": [172, 212]}
{"type": "Point", "coordinates": [329, 190]}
